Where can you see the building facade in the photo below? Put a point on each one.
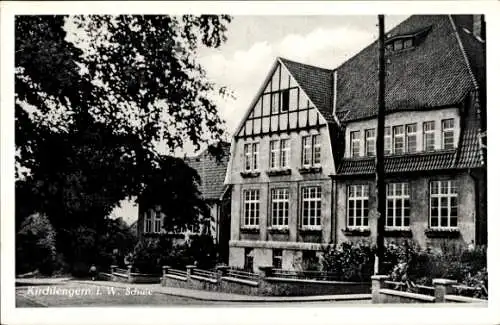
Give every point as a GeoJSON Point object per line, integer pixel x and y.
{"type": "Point", "coordinates": [303, 158]}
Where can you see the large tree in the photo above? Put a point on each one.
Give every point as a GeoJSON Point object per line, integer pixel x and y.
{"type": "Point", "coordinates": [93, 96]}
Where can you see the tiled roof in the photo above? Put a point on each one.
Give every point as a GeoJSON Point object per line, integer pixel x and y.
{"type": "Point", "coordinates": [316, 82]}
{"type": "Point", "coordinates": [212, 171]}
{"type": "Point", "coordinates": [432, 74]}
{"type": "Point", "coordinates": [469, 156]}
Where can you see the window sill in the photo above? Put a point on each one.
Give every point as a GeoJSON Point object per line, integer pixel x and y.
{"type": "Point", "coordinates": [398, 231]}
{"type": "Point", "coordinates": [310, 230]}
{"type": "Point", "coordinates": [279, 172]}
{"type": "Point", "coordinates": [249, 174]}
{"type": "Point", "coordinates": [442, 232]}
{"type": "Point", "coordinates": [250, 230]}
{"type": "Point", "coordinates": [356, 232]}
{"type": "Point", "coordinates": [275, 230]}
{"type": "Point", "coordinates": [310, 170]}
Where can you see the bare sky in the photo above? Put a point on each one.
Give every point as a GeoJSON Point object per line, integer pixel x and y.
{"type": "Point", "coordinates": [253, 44]}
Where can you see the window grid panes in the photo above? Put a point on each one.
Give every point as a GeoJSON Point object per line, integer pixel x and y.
{"type": "Point", "coordinates": [274, 153]}
{"type": "Point", "coordinates": [251, 205]}
{"type": "Point", "coordinates": [398, 140]}
{"type": "Point", "coordinates": [311, 207]}
{"type": "Point", "coordinates": [429, 134]}
{"type": "Point", "coordinates": [357, 206]}
{"type": "Point", "coordinates": [284, 153]}
{"type": "Point", "coordinates": [157, 222]}
{"type": "Point", "coordinates": [387, 140]}
{"type": "Point", "coordinates": [397, 205]}
{"type": "Point", "coordinates": [277, 258]}
{"type": "Point", "coordinates": [448, 134]}
{"type": "Point", "coordinates": [275, 102]}
{"type": "Point", "coordinates": [316, 149]}
{"type": "Point", "coordinates": [279, 207]}
{"type": "Point", "coordinates": [306, 151]}
{"type": "Point", "coordinates": [370, 142]}
{"type": "Point", "coordinates": [148, 222]}
{"type": "Point", "coordinates": [355, 143]}
{"type": "Point", "coordinates": [411, 138]}
{"type": "Point", "coordinates": [443, 204]}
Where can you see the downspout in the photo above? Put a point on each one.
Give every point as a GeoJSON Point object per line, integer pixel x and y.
{"type": "Point", "coordinates": [477, 228]}
{"type": "Point", "coordinates": [334, 211]}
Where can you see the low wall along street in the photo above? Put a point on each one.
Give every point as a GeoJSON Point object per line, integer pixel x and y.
{"type": "Point", "coordinates": [262, 284]}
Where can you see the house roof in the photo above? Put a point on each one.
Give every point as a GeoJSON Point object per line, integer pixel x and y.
{"type": "Point", "coordinates": [435, 73]}
{"type": "Point", "coordinates": [467, 156]}
{"type": "Point", "coordinates": [212, 171]}
{"type": "Point", "coordinates": [316, 82]}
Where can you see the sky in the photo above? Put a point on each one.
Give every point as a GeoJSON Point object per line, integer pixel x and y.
{"type": "Point", "coordinates": [254, 42]}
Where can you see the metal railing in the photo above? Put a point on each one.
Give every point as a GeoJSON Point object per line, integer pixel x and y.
{"type": "Point", "coordinates": [305, 275]}
{"type": "Point", "coordinates": [204, 273]}
{"type": "Point", "coordinates": [177, 272]}
{"type": "Point", "coordinates": [242, 275]}
{"type": "Point", "coordinates": [121, 271]}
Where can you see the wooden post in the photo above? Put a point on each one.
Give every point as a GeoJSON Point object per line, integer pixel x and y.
{"type": "Point", "coordinates": [380, 179]}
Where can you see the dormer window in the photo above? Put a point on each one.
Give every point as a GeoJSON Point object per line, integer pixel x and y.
{"type": "Point", "coordinates": [398, 45]}
{"type": "Point", "coordinates": [395, 43]}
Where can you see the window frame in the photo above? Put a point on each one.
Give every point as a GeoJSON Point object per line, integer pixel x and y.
{"type": "Point", "coordinates": [284, 153]}
{"type": "Point", "coordinates": [311, 150]}
{"type": "Point", "coordinates": [357, 141]}
{"type": "Point", "coordinates": [449, 195]}
{"type": "Point", "coordinates": [158, 218]}
{"type": "Point", "coordinates": [277, 258]}
{"type": "Point", "coordinates": [276, 198]}
{"type": "Point", "coordinates": [274, 154]}
{"type": "Point", "coordinates": [252, 205]}
{"type": "Point", "coordinates": [317, 200]}
{"type": "Point", "coordinates": [445, 130]}
{"type": "Point", "coordinates": [387, 136]}
{"type": "Point", "coordinates": [365, 200]}
{"type": "Point", "coordinates": [407, 137]}
{"type": "Point", "coordinates": [399, 136]}
{"type": "Point", "coordinates": [371, 140]}
{"type": "Point", "coordinates": [251, 156]}
{"type": "Point", "coordinates": [148, 220]}
{"type": "Point", "coordinates": [404, 197]}
{"type": "Point", "coordinates": [427, 132]}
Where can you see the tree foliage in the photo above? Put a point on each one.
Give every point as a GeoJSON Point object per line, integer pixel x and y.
{"type": "Point", "coordinates": [90, 107]}
{"type": "Point", "coordinates": [35, 245]}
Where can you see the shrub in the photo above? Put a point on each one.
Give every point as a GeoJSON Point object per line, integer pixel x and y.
{"type": "Point", "coordinates": [349, 262]}
{"type": "Point", "coordinates": [35, 245]}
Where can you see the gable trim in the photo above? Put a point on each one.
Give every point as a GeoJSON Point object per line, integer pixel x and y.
{"type": "Point", "coordinates": [462, 50]}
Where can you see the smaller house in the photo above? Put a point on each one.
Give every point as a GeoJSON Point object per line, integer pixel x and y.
{"type": "Point", "coordinates": [211, 167]}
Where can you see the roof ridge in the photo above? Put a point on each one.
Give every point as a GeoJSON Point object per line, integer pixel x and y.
{"type": "Point", "coordinates": [462, 50]}
{"type": "Point", "coordinates": [304, 64]}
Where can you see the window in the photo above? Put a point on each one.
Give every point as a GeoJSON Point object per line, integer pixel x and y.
{"type": "Point", "coordinates": [389, 47]}
{"type": "Point", "coordinates": [148, 222]}
{"type": "Point", "coordinates": [398, 45]}
{"type": "Point", "coordinates": [248, 264]}
{"type": "Point", "coordinates": [444, 204]}
{"type": "Point", "coordinates": [279, 207]}
{"type": "Point", "coordinates": [370, 142]}
{"type": "Point", "coordinates": [429, 129]}
{"type": "Point", "coordinates": [275, 102]}
{"type": "Point", "coordinates": [408, 43]}
{"type": "Point", "coordinates": [448, 134]}
{"type": "Point", "coordinates": [398, 140]}
{"type": "Point", "coordinates": [316, 150]}
{"type": "Point", "coordinates": [158, 220]}
{"type": "Point", "coordinates": [311, 150]}
{"type": "Point", "coordinates": [411, 138]}
{"type": "Point", "coordinates": [280, 153]}
{"type": "Point", "coordinates": [387, 140]}
{"type": "Point", "coordinates": [277, 258]}
{"type": "Point", "coordinates": [357, 206]}
{"type": "Point", "coordinates": [251, 208]}
{"type": "Point", "coordinates": [311, 207]}
{"type": "Point", "coordinates": [251, 151]}
{"type": "Point", "coordinates": [284, 153]}
{"type": "Point", "coordinates": [285, 100]}
{"type": "Point", "coordinates": [309, 260]}
{"type": "Point", "coordinates": [275, 154]}
{"type": "Point", "coordinates": [398, 205]}
{"type": "Point", "coordinates": [354, 143]}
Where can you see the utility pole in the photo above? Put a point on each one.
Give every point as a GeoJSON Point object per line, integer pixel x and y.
{"type": "Point", "coordinates": [379, 173]}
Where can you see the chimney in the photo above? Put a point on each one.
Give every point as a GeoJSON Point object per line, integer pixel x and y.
{"type": "Point", "coordinates": [478, 26]}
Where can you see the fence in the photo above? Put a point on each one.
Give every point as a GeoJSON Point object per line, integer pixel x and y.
{"type": "Point", "coordinates": [268, 282]}
{"type": "Point", "coordinates": [126, 275]}
{"type": "Point", "coordinates": [443, 290]}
